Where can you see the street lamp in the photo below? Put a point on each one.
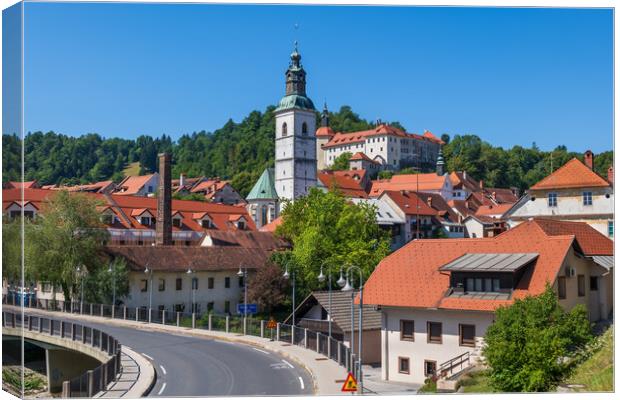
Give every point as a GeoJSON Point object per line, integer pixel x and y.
{"type": "Point", "coordinates": [349, 287]}
{"type": "Point", "coordinates": [286, 276]}
{"type": "Point", "coordinates": [80, 272]}
{"type": "Point", "coordinates": [190, 272]}
{"type": "Point", "coordinates": [113, 273]}
{"type": "Point", "coordinates": [243, 274]}
{"type": "Point", "coordinates": [150, 282]}
{"type": "Point", "coordinates": [321, 278]}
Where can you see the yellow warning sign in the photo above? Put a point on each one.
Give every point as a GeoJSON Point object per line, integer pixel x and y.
{"type": "Point", "coordinates": [272, 324]}
{"type": "Point", "coordinates": [350, 384]}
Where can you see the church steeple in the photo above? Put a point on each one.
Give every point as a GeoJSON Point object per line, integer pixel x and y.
{"type": "Point", "coordinates": [295, 75]}
{"type": "Point", "coordinates": [325, 116]}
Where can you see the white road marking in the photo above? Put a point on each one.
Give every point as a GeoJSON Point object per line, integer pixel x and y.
{"type": "Point", "coordinates": [163, 387]}
{"type": "Point", "coordinates": [147, 356]}
{"type": "Point", "coordinates": [262, 351]}
{"type": "Point", "coordinates": [288, 363]}
{"type": "Point", "coordinates": [163, 369]}
{"type": "Point", "coordinates": [301, 382]}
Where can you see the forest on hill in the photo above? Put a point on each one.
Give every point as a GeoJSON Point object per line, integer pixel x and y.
{"type": "Point", "coordinates": [241, 151]}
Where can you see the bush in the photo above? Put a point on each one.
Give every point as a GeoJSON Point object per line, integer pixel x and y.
{"type": "Point", "coordinates": [527, 343]}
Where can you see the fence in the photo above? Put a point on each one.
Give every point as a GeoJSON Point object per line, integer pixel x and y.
{"type": "Point", "coordinates": [293, 334]}
{"type": "Point", "coordinates": [92, 381]}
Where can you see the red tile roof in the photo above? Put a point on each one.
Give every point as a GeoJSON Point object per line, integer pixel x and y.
{"type": "Point", "coordinates": [591, 241]}
{"type": "Point", "coordinates": [492, 209]}
{"type": "Point", "coordinates": [132, 184]}
{"type": "Point", "coordinates": [325, 131]}
{"type": "Point", "coordinates": [410, 277]}
{"type": "Point", "coordinates": [271, 227]}
{"type": "Point", "coordinates": [409, 201]}
{"type": "Point", "coordinates": [573, 174]}
{"type": "Point", "coordinates": [361, 156]}
{"type": "Point", "coordinates": [19, 185]}
{"type": "Point", "coordinates": [340, 138]}
{"type": "Point", "coordinates": [411, 182]}
{"type": "Point", "coordinates": [343, 181]}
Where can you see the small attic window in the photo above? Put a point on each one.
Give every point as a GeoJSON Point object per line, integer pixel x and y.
{"type": "Point", "coordinates": [176, 221]}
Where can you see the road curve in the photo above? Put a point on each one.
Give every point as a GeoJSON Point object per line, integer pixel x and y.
{"type": "Point", "coordinates": [194, 366]}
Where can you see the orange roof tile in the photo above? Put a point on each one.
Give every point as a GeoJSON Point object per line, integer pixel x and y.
{"type": "Point", "coordinates": [411, 182]}
{"type": "Point", "coordinates": [325, 131]}
{"type": "Point", "coordinates": [573, 174]}
{"type": "Point", "coordinates": [591, 241]}
{"type": "Point", "coordinates": [410, 276]}
{"type": "Point", "coordinates": [361, 156]}
{"type": "Point", "coordinates": [410, 201]}
{"type": "Point", "coordinates": [271, 227]}
{"type": "Point", "coordinates": [132, 184]}
{"type": "Point", "coordinates": [492, 209]}
{"type": "Point", "coordinates": [343, 181]}
{"type": "Point", "coordinates": [340, 138]}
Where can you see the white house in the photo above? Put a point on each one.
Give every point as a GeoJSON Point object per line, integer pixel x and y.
{"type": "Point", "coordinates": [437, 297]}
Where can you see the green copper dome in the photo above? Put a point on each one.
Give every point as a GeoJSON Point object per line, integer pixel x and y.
{"type": "Point", "coordinates": [264, 188]}
{"type": "Point", "coordinates": [295, 101]}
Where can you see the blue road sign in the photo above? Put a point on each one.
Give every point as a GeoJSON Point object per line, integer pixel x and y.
{"type": "Point", "coordinates": [251, 308]}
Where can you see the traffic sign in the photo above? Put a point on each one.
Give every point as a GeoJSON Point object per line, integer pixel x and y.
{"type": "Point", "coordinates": [272, 324]}
{"type": "Point", "coordinates": [350, 384]}
{"type": "Point", "coordinates": [251, 308]}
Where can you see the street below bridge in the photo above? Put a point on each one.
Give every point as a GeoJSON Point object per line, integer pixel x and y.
{"type": "Point", "coordinates": [194, 366]}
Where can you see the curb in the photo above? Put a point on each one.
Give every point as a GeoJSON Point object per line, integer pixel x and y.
{"type": "Point", "coordinates": [150, 375]}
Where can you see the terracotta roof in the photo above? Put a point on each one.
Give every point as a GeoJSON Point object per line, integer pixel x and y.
{"type": "Point", "coordinates": [132, 184]}
{"type": "Point", "coordinates": [440, 205]}
{"type": "Point", "coordinates": [410, 276]}
{"type": "Point", "coordinates": [98, 187]}
{"type": "Point", "coordinates": [209, 186]}
{"type": "Point", "coordinates": [344, 182]}
{"type": "Point", "coordinates": [501, 195]}
{"type": "Point", "coordinates": [408, 201]}
{"type": "Point", "coordinates": [498, 209]}
{"type": "Point", "coordinates": [271, 227]}
{"type": "Point", "coordinates": [248, 239]}
{"type": "Point", "coordinates": [461, 180]}
{"type": "Point", "coordinates": [176, 258]}
{"type": "Point", "coordinates": [340, 138]}
{"type": "Point", "coordinates": [591, 241]}
{"type": "Point", "coordinates": [325, 131]}
{"type": "Point", "coordinates": [361, 156]}
{"type": "Point", "coordinates": [412, 182]}
{"type": "Point", "coordinates": [573, 174]}
{"type": "Point", "coordinates": [19, 185]}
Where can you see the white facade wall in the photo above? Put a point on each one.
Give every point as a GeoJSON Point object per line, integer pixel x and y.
{"type": "Point", "coordinates": [295, 165]}
{"type": "Point", "coordinates": [171, 296]}
{"type": "Point", "coordinates": [14, 210]}
{"type": "Point", "coordinates": [263, 212]}
{"type": "Point", "coordinates": [419, 350]}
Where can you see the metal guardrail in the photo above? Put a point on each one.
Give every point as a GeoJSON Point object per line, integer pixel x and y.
{"type": "Point", "coordinates": [446, 369]}
{"type": "Point", "coordinates": [92, 381]}
{"type": "Point", "coordinates": [295, 335]}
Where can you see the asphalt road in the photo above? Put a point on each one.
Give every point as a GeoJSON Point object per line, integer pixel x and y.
{"type": "Point", "coordinates": [192, 366]}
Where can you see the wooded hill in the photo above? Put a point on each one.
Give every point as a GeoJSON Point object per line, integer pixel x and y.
{"type": "Point", "coordinates": [241, 151]}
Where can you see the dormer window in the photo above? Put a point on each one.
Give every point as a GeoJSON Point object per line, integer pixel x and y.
{"type": "Point", "coordinates": [206, 223]}
{"type": "Point", "coordinates": [241, 225]}
{"type": "Point", "coordinates": [147, 221]}
{"type": "Point", "coordinates": [176, 222]}
{"type": "Point", "coordinates": [107, 219]}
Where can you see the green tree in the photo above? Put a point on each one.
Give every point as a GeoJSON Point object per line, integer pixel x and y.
{"type": "Point", "coordinates": [341, 163]}
{"type": "Point", "coordinates": [267, 287]}
{"type": "Point", "coordinates": [325, 226]}
{"type": "Point", "coordinates": [385, 174]}
{"type": "Point", "coordinates": [11, 249]}
{"type": "Point", "coordinates": [107, 281]}
{"type": "Point", "coordinates": [528, 340]}
{"type": "Point", "coordinates": [68, 234]}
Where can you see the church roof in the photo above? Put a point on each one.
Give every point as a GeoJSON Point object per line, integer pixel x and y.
{"type": "Point", "coordinates": [295, 101]}
{"type": "Point", "coordinates": [265, 187]}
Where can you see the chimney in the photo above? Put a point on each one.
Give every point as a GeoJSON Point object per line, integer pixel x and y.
{"type": "Point", "coordinates": [481, 184]}
{"type": "Point", "coordinates": [610, 174]}
{"type": "Point", "coordinates": [182, 180]}
{"type": "Point", "coordinates": [163, 230]}
{"type": "Point", "coordinates": [429, 201]}
{"type": "Point", "coordinates": [493, 196]}
{"type": "Point", "coordinates": [588, 158]}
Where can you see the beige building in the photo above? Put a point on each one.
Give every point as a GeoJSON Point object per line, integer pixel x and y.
{"type": "Point", "coordinates": [437, 297]}
{"type": "Point", "coordinates": [574, 192]}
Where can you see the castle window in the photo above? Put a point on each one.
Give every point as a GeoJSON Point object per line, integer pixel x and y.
{"type": "Point", "coordinates": [284, 129]}
{"type": "Point", "coordinates": [304, 129]}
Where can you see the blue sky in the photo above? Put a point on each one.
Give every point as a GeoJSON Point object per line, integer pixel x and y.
{"type": "Point", "coordinates": [511, 76]}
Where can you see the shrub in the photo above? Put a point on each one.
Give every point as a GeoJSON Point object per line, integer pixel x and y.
{"type": "Point", "coordinates": [527, 343]}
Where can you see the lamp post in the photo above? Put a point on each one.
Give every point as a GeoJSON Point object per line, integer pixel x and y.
{"type": "Point", "coordinates": [113, 273]}
{"type": "Point", "coordinates": [80, 272]}
{"type": "Point", "coordinates": [349, 287]}
{"type": "Point", "coordinates": [149, 272]}
{"type": "Point", "coordinates": [190, 272]}
{"type": "Point", "coordinates": [292, 276]}
{"type": "Point", "coordinates": [244, 274]}
{"type": "Point", "coordinates": [340, 282]}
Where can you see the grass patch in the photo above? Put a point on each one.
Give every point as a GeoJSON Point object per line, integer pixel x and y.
{"type": "Point", "coordinates": [430, 386]}
{"type": "Point", "coordinates": [597, 372]}
{"type": "Point", "coordinates": [476, 382]}
{"type": "Point", "coordinates": [12, 380]}
{"type": "Point", "coordinates": [132, 169]}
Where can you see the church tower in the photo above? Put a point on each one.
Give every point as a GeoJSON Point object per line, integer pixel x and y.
{"type": "Point", "coordinates": [295, 160]}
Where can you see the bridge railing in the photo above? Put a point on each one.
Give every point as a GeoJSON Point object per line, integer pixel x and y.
{"type": "Point", "coordinates": [92, 381]}
{"type": "Point", "coordinates": [296, 335]}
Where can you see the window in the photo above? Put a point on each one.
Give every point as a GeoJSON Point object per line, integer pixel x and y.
{"type": "Point", "coordinates": [241, 225]}
{"type": "Point", "coordinates": [144, 285]}
{"type": "Point", "coordinates": [482, 285]}
{"type": "Point", "coordinates": [593, 283]}
{"type": "Point", "coordinates": [179, 284]}
{"type": "Point", "coordinates": [433, 332]}
{"type": "Point", "coordinates": [150, 189]}
{"type": "Point", "coordinates": [162, 285]}
{"type": "Point", "coordinates": [206, 223]}
{"type": "Point", "coordinates": [304, 129]}
{"type": "Point", "coordinates": [241, 281]}
{"type": "Point", "coordinates": [467, 335]}
{"type": "Point", "coordinates": [610, 229]}
{"type": "Point", "coordinates": [227, 306]}
{"type": "Point", "coordinates": [194, 307]}
{"type": "Point", "coordinates": [107, 219]}
{"type": "Point", "coordinates": [430, 368]}
{"type": "Point", "coordinates": [587, 198]}
{"type": "Point", "coordinates": [227, 282]}
{"type": "Point", "coordinates": [179, 307]}
{"type": "Point", "coordinates": [46, 287]}
{"type": "Point", "coordinates": [210, 306]}
{"type": "Point", "coordinates": [581, 285]}
{"type": "Point", "coordinates": [403, 365]}
{"type": "Point", "coordinates": [552, 199]}
{"type": "Point", "coordinates": [176, 222]}
{"type": "Point", "coordinates": [211, 283]}
{"type": "Point", "coordinates": [406, 330]}
{"type": "Point", "coordinates": [284, 129]}
{"type": "Point", "coordinates": [194, 283]}
{"type": "Point", "coordinates": [561, 287]}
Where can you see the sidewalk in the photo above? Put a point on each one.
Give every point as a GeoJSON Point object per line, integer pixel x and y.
{"type": "Point", "coordinates": [136, 378]}
{"type": "Point", "coordinates": [326, 374]}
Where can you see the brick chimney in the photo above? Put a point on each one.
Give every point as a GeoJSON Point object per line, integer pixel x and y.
{"type": "Point", "coordinates": [163, 230]}
{"type": "Point", "coordinates": [481, 184]}
{"type": "Point", "coordinates": [610, 174]}
{"type": "Point", "coordinates": [182, 180]}
{"type": "Point", "coordinates": [588, 158]}
{"type": "Point", "coordinates": [429, 201]}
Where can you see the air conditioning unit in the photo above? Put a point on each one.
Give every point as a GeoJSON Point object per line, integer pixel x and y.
{"type": "Point", "coordinates": [570, 271]}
